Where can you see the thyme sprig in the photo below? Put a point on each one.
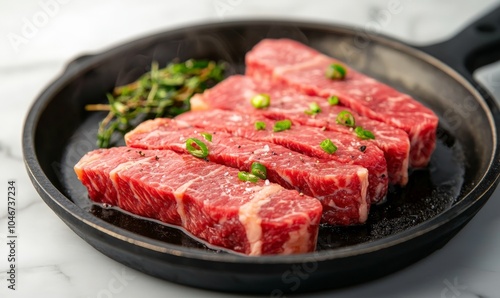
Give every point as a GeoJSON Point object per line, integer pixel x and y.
{"type": "Point", "coordinates": [161, 92]}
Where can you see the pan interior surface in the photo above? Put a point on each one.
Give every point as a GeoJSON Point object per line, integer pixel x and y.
{"type": "Point", "coordinates": [64, 131]}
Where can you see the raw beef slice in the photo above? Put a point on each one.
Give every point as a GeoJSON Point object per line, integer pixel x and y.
{"type": "Point", "coordinates": [340, 188]}
{"type": "Point", "coordinates": [206, 199]}
{"type": "Point", "coordinates": [294, 64]}
{"type": "Point", "coordinates": [302, 139]}
{"type": "Point", "coordinates": [235, 93]}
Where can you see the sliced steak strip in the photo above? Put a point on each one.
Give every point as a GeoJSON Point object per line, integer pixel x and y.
{"type": "Point", "coordinates": [302, 139]}
{"type": "Point", "coordinates": [294, 64]}
{"type": "Point", "coordinates": [206, 199]}
{"type": "Point", "coordinates": [340, 188]}
{"type": "Point", "coordinates": [235, 92]}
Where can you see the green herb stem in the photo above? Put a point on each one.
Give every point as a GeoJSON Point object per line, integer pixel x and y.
{"type": "Point", "coordinates": [282, 125]}
{"type": "Point", "coordinates": [335, 71]}
{"type": "Point", "coordinates": [261, 101]}
{"type": "Point", "coordinates": [314, 109]}
{"type": "Point", "coordinates": [346, 118]}
{"type": "Point", "coordinates": [162, 92]}
{"type": "Point", "coordinates": [259, 170]}
{"type": "Point", "coordinates": [196, 147]}
{"type": "Point", "coordinates": [328, 146]}
{"type": "Point", "coordinates": [363, 134]}
{"type": "Point", "coordinates": [207, 136]}
{"type": "Point", "coordinates": [245, 176]}
{"type": "Point", "coordinates": [260, 125]}
{"type": "Point", "coordinates": [333, 100]}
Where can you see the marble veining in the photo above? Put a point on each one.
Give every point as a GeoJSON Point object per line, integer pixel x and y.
{"type": "Point", "coordinates": [54, 262]}
{"type": "Point", "coordinates": [7, 152]}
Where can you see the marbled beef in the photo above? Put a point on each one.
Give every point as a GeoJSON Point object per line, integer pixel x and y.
{"type": "Point", "coordinates": [302, 139]}
{"type": "Point", "coordinates": [235, 93]}
{"type": "Point", "coordinates": [288, 62]}
{"type": "Point", "coordinates": [206, 199]}
{"type": "Point", "coordinates": [340, 188]}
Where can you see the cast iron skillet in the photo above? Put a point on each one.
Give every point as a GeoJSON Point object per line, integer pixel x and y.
{"type": "Point", "coordinates": [414, 222]}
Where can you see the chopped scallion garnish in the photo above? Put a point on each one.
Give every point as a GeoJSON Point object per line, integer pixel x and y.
{"type": "Point", "coordinates": [346, 118]}
{"type": "Point", "coordinates": [328, 146]}
{"type": "Point", "coordinates": [261, 101]}
{"type": "Point", "coordinates": [333, 100]}
{"type": "Point", "coordinates": [335, 71]}
{"type": "Point", "coordinates": [207, 136]}
{"type": "Point", "coordinates": [282, 125]}
{"type": "Point", "coordinates": [196, 147]}
{"type": "Point", "coordinates": [259, 125]}
{"type": "Point", "coordinates": [245, 176]}
{"type": "Point", "coordinates": [363, 134]}
{"type": "Point", "coordinates": [314, 109]}
{"type": "Point", "coordinates": [259, 170]}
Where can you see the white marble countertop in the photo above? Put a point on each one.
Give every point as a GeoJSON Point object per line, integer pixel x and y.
{"type": "Point", "coordinates": [39, 37]}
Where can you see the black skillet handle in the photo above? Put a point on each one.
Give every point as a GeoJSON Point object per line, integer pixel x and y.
{"type": "Point", "coordinates": [475, 46]}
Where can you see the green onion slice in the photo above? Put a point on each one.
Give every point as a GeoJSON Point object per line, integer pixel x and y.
{"type": "Point", "coordinates": [363, 134]}
{"type": "Point", "coordinates": [346, 118]}
{"type": "Point", "coordinates": [245, 176]}
{"type": "Point", "coordinates": [207, 136]}
{"type": "Point", "coordinates": [335, 71]}
{"type": "Point", "coordinates": [328, 146]}
{"type": "Point", "coordinates": [282, 125]}
{"type": "Point", "coordinates": [200, 151]}
{"type": "Point", "coordinates": [261, 101]}
{"type": "Point", "coordinates": [333, 100]}
{"type": "Point", "coordinates": [259, 125]}
{"type": "Point", "coordinates": [259, 170]}
{"type": "Point", "coordinates": [313, 109]}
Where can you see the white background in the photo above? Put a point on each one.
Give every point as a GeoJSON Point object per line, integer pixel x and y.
{"type": "Point", "coordinates": [38, 38]}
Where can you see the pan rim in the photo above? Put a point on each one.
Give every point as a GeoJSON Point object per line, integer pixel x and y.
{"type": "Point", "coordinates": [488, 180]}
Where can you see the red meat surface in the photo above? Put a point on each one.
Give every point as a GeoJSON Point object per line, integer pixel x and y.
{"type": "Point", "coordinates": [235, 94]}
{"type": "Point", "coordinates": [206, 199]}
{"type": "Point", "coordinates": [302, 139]}
{"type": "Point", "coordinates": [291, 63]}
{"type": "Point", "coordinates": [340, 188]}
